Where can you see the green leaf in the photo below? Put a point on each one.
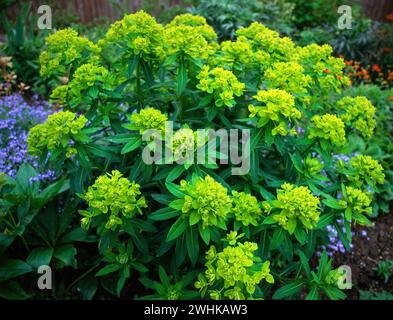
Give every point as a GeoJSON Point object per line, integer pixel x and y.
{"type": "Point", "coordinates": [205, 234]}
{"type": "Point", "coordinates": [147, 73]}
{"type": "Point", "coordinates": [181, 78]}
{"type": "Point", "coordinates": [278, 238]}
{"type": "Point", "coordinates": [256, 138]}
{"type": "Point", "coordinates": [23, 176]}
{"type": "Point", "coordinates": [163, 214]}
{"type": "Point", "coordinates": [334, 293]}
{"type": "Point", "coordinates": [11, 290]}
{"type": "Point", "coordinates": [177, 204]}
{"type": "Point", "coordinates": [194, 217]}
{"type": "Point", "coordinates": [305, 264]}
{"type": "Point", "coordinates": [288, 290]}
{"type": "Point", "coordinates": [292, 225]}
{"type": "Point", "coordinates": [174, 189]}
{"type": "Point", "coordinates": [300, 234]}
{"type": "Point", "coordinates": [177, 229]}
{"type": "Point", "coordinates": [325, 220]}
{"type": "Point", "coordinates": [10, 269]}
{"type": "Point", "coordinates": [134, 61]}
{"type": "Point", "coordinates": [101, 151]}
{"type": "Point", "coordinates": [175, 173]}
{"type": "Point", "coordinates": [131, 145]}
{"type": "Point", "coordinates": [39, 257]}
{"type": "Point", "coordinates": [192, 244]}
{"type": "Point", "coordinates": [313, 294]}
{"type": "Point", "coordinates": [53, 190]}
{"type": "Point", "coordinates": [108, 269]}
{"type": "Point", "coordinates": [297, 161]}
{"type": "Point", "coordinates": [333, 203]}
{"type": "Point", "coordinates": [66, 254]}
{"type": "Point", "coordinates": [88, 287]}
{"type": "Point", "coordinates": [163, 276]}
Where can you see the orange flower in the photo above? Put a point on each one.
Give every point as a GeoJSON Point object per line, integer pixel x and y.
{"type": "Point", "coordinates": [376, 68]}
{"type": "Point", "coordinates": [326, 71]}
{"type": "Point", "coordinates": [389, 17]}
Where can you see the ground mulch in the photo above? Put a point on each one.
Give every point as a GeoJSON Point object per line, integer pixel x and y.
{"type": "Point", "coordinates": [368, 250]}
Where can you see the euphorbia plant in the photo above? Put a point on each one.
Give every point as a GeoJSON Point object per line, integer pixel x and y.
{"type": "Point", "coordinates": [158, 215]}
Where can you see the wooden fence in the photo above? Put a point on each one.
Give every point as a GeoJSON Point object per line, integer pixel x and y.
{"type": "Point", "coordinates": [88, 10]}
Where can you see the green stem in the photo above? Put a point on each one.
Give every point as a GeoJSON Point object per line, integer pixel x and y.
{"type": "Point", "coordinates": [81, 277]}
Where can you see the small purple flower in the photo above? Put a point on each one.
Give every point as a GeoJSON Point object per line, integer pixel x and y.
{"type": "Point", "coordinates": [16, 118]}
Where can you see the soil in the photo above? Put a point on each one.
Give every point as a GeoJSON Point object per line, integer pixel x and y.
{"type": "Point", "coordinates": [368, 250]}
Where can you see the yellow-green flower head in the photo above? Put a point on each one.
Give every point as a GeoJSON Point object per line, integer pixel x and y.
{"type": "Point", "coordinates": [235, 54]}
{"type": "Point", "coordinates": [56, 132]}
{"type": "Point", "coordinates": [359, 201]}
{"type": "Point", "coordinates": [85, 77]}
{"type": "Point", "coordinates": [326, 69]}
{"type": "Point", "coordinates": [297, 205]}
{"type": "Point", "coordinates": [313, 53]}
{"type": "Point", "coordinates": [113, 197]}
{"type": "Point", "coordinates": [206, 200]}
{"type": "Point", "coordinates": [66, 49]}
{"type": "Point", "coordinates": [278, 106]}
{"type": "Point", "coordinates": [221, 83]}
{"type": "Point", "coordinates": [288, 76]}
{"type": "Point", "coordinates": [149, 119]}
{"type": "Point", "coordinates": [312, 165]}
{"type": "Point", "coordinates": [358, 113]}
{"type": "Point", "coordinates": [266, 40]}
{"type": "Point", "coordinates": [186, 140]}
{"type": "Point", "coordinates": [197, 22]}
{"type": "Point", "coordinates": [235, 271]}
{"type": "Point", "coordinates": [332, 278]}
{"type": "Point", "coordinates": [366, 170]}
{"type": "Point", "coordinates": [328, 127]}
{"type": "Point", "coordinates": [246, 208]}
{"type": "Point", "coordinates": [60, 94]}
{"type": "Point", "coordinates": [187, 37]}
{"type": "Point", "coordinates": [136, 34]}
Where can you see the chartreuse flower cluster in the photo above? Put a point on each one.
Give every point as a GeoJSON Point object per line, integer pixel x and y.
{"type": "Point", "coordinates": [359, 114]}
{"type": "Point", "coordinates": [66, 49]}
{"type": "Point", "coordinates": [233, 273]}
{"type": "Point", "coordinates": [312, 166]}
{"type": "Point", "coordinates": [222, 84]}
{"type": "Point", "coordinates": [328, 128]}
{"type": "Point", "coordinates": [265, 40]}
{"type": "Point", "coordinates": [136, 34]}
{"type": "Point", "coordinates": [185, 141]}
{"type": "Point", "coordinates": [85, 77]}
{"type": "Point", "coordinates": [327, 71]}
{"type": "Point", "coordinates": [296, 205]}
{"type": "Point", "coordinates": [245, 208]}
{"type": "Point", "coordinates": [191, 36]}
{"type": "Point", "coordinates": [364, 169]}
{"type": "Point", "coordinates": [56, 132]}
{"type": "Point", "coordinates": [288, 76]}
{"type": "Point", "coordinates": [147, 119]}
{"type": "Point", "coordinates": [113, 198]}
{"type": "Point", "coordinates": [235, 55]}
{"type": "Point", "coordinates": [279, 107]}
{"type": "Point", "coordinates": [358, 201]}
{"type": "Point", "coordinates": [205, 201]}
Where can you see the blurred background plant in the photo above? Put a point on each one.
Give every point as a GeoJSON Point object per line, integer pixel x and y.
{"type": "Point", "coordinates": [384, 269]}
{"type": "Point", "coordinates": [227, 16]}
